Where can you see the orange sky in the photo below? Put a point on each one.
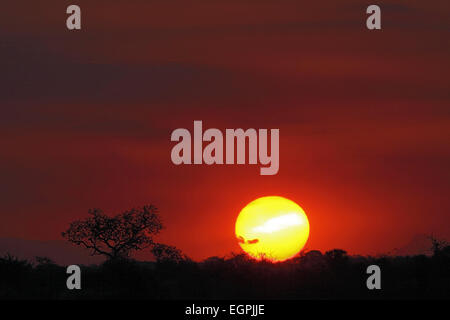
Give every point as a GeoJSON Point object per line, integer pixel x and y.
{"type": "Point", "coordinates": [363, 116]}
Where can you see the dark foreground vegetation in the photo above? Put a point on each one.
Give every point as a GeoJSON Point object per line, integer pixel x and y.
{"type": "Point", "coordinates": [312, 275]}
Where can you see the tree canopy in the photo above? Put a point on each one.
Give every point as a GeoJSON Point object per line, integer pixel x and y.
{"type": "Point", "coordinates": [116, 237]}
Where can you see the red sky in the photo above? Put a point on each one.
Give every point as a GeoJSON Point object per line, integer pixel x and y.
{"type": "Point", "coordinates": [364, 116]}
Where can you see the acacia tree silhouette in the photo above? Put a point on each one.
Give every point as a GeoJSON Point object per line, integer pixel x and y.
{"type": "Point", "coordinates": [115, 237]}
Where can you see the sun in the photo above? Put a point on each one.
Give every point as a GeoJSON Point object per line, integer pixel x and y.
{"type": "Point", "coordinates": [274, 228]}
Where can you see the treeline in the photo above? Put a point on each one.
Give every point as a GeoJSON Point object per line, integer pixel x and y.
{"type": "Point", "coordinates": [312, 275]}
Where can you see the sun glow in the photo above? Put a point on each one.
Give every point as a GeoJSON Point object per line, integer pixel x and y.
{"type": "Point", "coordinates": [272, 227]}
{"type": "Point", "coordinates": [279, 223]}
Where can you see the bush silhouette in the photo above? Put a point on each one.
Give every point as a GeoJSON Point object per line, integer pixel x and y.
{"type": "Point", "coordinates": [312, 275]}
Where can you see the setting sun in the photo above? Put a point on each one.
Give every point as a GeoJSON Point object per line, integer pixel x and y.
{"type": "Point", "coordinates": [272, 227]}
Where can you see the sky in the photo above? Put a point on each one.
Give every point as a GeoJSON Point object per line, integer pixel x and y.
{"type": "Point", "coordinates": [364, 116]}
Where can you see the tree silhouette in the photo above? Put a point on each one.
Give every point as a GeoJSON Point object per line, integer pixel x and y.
{"type": "Point", "coordinates": [115, 237]}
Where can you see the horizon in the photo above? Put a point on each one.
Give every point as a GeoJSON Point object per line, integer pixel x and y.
{"type": "Point", "coordinates": [419, 245]}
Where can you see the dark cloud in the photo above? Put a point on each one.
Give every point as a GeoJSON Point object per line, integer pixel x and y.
{"type": "Point", "coordinates": [31, 73]}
